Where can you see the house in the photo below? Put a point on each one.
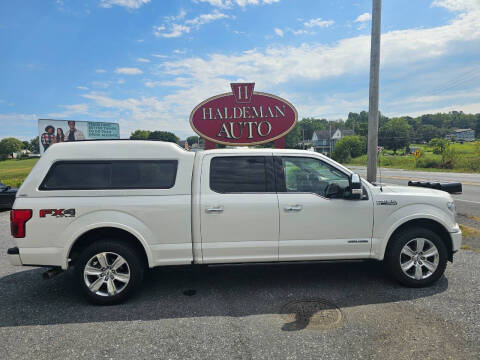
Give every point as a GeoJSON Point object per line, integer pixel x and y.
{"type": "Point", "coordinates": [323, 141]}
{"type": "Point", "coordinates": [461, 135]}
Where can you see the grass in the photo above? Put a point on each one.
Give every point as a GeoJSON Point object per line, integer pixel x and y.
{"type": "Point", "coordinates": [13, 172]}
{"type": "Point", "coordinates": [468, 231]}
{"type": "Point", "coordinates": [467, 159]}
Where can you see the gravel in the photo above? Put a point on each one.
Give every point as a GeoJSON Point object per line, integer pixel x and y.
{"type": "Point", "coordinates": [236, 313]}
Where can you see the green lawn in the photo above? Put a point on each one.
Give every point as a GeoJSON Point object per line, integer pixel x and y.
{"type": "Point", "coordinates": [467, 159]}
{"type": "Point", "coordinates": [13, 172]}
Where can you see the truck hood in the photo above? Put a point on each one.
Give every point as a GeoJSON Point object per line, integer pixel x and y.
{"type": "Point", "coordinates": [398, 191]}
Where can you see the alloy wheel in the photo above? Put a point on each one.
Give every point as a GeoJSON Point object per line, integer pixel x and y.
{"type": "Point", "coordinates": [419, 258]}
{"type": "Point", "coordinates": [106, 274]}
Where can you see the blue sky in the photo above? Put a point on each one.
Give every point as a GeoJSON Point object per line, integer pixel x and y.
{"type": "Point", "coordinates": [147, 63]}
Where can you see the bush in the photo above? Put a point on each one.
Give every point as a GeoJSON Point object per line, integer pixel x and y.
{"type": "Point", "coordinates": [449, 157]}
{"type": "Point", "coordinates": [438, 145]}
{"type": "Point", "coordinates": [349, 147]}
{"type": "Point", "coordinates": [427, 162]}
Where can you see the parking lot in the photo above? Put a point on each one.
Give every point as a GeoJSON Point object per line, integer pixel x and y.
{"type": "Point", "coordinates": [348, 310]}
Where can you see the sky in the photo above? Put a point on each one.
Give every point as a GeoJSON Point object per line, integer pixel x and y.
{"type": "Point", "coordinates": [147, 63]}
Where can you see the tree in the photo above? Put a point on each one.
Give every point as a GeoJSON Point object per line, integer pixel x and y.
{"type": "Point", "coordinates": [163, 136]}
{"type": "Point", "coordinates": [395, 134]}
{"type": "Point", "coordinates": [193, 140]}
{"type": "Point", "coordinates": [10, 145]}
{"type": "Point", "coordinates": [35, 145]}
{"type": "Point", "coordinates": [293, 138]}
{"type": "Point", "coordinates": [140, 135]}
{"type": "Point", "coordinates": [348, 147]}
{"type": "Point", "coordinates": [26, 145]}
{"type": "Point", "coordinates": [438, 145]}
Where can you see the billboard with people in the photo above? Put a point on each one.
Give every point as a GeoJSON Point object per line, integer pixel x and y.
{"type": "Point", "coordinates": [57, 131]}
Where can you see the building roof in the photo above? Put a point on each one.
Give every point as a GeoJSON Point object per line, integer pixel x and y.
{"type": "Point", "coordinates": [322, 134]}
{"type": "Point", "coordinates": [462, 130]}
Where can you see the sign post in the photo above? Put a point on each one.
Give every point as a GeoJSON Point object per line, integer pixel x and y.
{"type": "Point", "coordinates": [243, 117]}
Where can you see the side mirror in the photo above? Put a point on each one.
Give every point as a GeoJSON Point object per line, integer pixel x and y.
{"type": "Point", "coordinates": [355, 186]}
{"type": "Point", "coordinates": [334, 191]}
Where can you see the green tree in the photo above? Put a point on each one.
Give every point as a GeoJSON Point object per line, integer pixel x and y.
{"type": "Point", "coordinates": [35, 145]}
{"type": "Point", "coordinates": [349, 147]}
{"type": "Point", "coordinates": [395, 134]}
{"type": "Point", "coordinates": [140, 135]}
{"type": "Point", "coordinates": [10, 145]}
{"type": "Point", "coordinates": [293, 138]}
{"type": "Point", "coordinates": [193, 140]}
{"type": "Point", "coordinates": [163, 136]}
{"type": "Point", "coordinates": [438, 145]}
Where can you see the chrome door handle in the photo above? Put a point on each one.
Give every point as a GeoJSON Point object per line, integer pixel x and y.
{"type": "Point", "coordinates": [214, 209]}
{"type": "Point", "coordinates": [292, 208]}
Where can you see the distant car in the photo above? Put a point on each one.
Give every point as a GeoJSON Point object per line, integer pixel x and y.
{"type": "Point", "coordinates": [7, 196]}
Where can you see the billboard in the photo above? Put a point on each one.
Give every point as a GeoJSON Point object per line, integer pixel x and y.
{"type": "Point", "coordinates": [56, 131]}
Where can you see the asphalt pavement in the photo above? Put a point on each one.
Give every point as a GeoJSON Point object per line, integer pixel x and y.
{"type": "Point", "coordinates": [343, 310]}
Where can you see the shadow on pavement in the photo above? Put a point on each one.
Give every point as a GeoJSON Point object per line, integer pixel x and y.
{"type": "Point", "coordinates": [234, 291]}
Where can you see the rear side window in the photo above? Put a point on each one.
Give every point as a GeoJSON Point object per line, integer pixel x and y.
{"type": "Point", "coordinates": [96, 175]}
{"type": "Point", "coordinates": [240, 174]}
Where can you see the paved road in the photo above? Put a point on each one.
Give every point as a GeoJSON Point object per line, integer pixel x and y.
{"type": "Point", "coordinates": [238, 313]}
{"type": "Point", "coordinates": [467, 203]}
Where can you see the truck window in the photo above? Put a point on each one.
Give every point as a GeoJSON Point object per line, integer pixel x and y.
{"type": "Point", "coordinates": [96, 175]}
{"type": "Point", "coordinates": [302, 174]}
{"type": "Point", "coordinates": [239, 174]}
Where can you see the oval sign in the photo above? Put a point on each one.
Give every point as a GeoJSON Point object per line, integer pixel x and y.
{"type": "Point", "coordinates": [243, 117]}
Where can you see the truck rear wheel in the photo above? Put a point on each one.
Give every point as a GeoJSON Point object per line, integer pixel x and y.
{"type": "Point", "coordinates": [108, 271]}
{"type": "Point", "coordinates": [417, 257]}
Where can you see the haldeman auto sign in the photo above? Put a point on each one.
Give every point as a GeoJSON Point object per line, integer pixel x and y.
{"type": "Point", "coordinates": [243, 117]}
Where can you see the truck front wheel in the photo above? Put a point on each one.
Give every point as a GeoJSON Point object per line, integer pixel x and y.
{"type": "Point", "coordinates": [108, 271]}
{"type": "Point", "coordinates": [417, 257]}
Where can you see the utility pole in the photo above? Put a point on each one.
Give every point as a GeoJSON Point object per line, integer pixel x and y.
{"type": "Point", "coordinates": [373, 92]}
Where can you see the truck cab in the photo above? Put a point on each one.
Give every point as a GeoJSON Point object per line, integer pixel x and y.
{"type": "Point", "coordinates": [111, 209]}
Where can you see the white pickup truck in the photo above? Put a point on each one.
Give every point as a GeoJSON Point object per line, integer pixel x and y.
{"type": "Point", "coordinates": [112, 209]}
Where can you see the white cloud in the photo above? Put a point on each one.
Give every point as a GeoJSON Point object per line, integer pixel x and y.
{"type": "Point", "coordinates": [144, 60]}
{"type": "Point", "coordinates": [457, 5]}
{"type": "Point", "coordinates": [175, 30]}
{"type": "Point", "coordinates": [279, 32]}
{"type": "Point", "coordinates": [319, 22]}
{"type": "Point", "coordinates": [159, 56]}
{"type": "Point", "coordinates": [100, 71]}
{"type": "Point", "coordinates": [70, 110]}
{"type": "Point", "coordinates": [206, 18]}
{"type": "Point", "coordinates": [364, 17]}
{"type": "Point", "coordinates": [128, 71]}
{"type": "Point", "coordinates": [172, 29]}
{"type": "Point", "coordinates": [22, 126]}
{"type": "Point", "coordinates": [273, 69]}
{"type": "Point", "coordinates": [129, 4]}
{"type": "Point", "coordinates": [82, 87]}
{"type": "Point", "coordinates": [242, 3]}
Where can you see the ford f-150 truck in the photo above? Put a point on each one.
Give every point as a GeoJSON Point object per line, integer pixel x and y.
{"type": "Point", "coordinates": [112, 209]}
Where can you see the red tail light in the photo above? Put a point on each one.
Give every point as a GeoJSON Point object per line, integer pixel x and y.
{"type": "Point", "coordinates": [18, 219]}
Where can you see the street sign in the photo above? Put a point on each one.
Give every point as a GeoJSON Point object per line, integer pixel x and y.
{"type": "Point", "coordinates": [417, 153]}
{"type": "Point", "coordinates": [243, 117]}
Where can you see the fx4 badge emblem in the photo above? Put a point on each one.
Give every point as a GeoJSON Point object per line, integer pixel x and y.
{"type": "Point", "coordinates": [386, 202]}
{"type": "Point", "coordinates": [57, 212]}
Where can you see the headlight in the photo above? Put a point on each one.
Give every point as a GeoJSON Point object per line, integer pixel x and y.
{"type": "Point", "coordinates": [451, 207]}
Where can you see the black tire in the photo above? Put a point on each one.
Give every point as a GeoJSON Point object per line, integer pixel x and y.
{"type": "Point", "coordinates": [134, 266]}
{"type": "Point", "coordinates": [393, 253]}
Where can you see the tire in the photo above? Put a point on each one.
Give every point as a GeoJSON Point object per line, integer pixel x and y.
{"type": "Point", "coordinates": [108, 271]}
{"type": "Point", "coordinates": [403, 259]}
